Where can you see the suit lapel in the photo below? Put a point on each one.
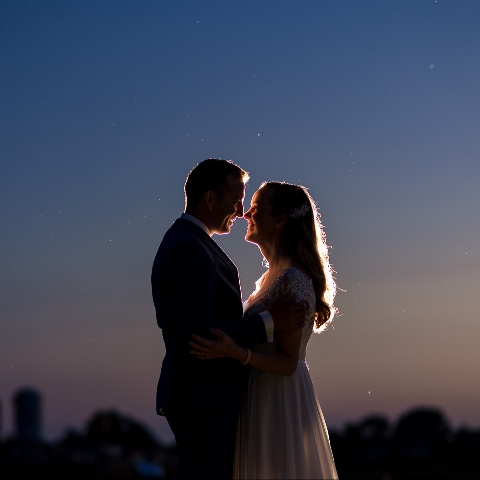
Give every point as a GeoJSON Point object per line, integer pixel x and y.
{"type": "Point", "coordinates": [214, 247]}
{"type": "Point", "coordinates": [218, 251]}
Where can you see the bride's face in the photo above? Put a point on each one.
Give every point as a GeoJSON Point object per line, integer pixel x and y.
{"type": "Point", "coordinates": [261, 224]}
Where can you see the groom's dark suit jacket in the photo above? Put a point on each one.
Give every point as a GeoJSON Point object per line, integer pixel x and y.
{"type": "Point", "coordinates": [195, 286]}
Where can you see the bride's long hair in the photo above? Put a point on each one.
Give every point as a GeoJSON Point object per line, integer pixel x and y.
{"type": "Point", "coordinates": [304, 240]}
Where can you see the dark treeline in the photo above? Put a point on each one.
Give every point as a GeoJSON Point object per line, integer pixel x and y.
{"type": "Point", "coordinates": [419, 445]}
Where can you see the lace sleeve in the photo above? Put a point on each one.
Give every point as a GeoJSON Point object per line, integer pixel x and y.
{"type": "Point", "coordinates": [294, 282]}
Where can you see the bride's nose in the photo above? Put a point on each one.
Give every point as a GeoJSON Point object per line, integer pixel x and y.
{"type": "Point", "coordinates": [247, 214]}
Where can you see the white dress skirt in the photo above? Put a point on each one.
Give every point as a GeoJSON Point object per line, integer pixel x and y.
{"type": "Point", "coordinates": [282, 433]}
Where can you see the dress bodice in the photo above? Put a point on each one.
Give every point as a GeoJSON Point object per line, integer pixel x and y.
{"type": "Point", "coordinates": [291, 281]}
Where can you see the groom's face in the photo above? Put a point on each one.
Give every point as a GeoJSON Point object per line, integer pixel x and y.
{"type": "Point", "coordinates": [228, 206]}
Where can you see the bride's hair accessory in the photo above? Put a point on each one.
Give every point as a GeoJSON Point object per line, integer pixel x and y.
{"type": "Point", "coordinates": [300, 211]}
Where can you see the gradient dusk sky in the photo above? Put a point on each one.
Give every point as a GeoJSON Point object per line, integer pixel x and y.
{"type": "Point", "coordinates": [106, 105]}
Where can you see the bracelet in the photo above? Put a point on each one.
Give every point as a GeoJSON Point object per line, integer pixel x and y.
{"type": "Point", "coordinates": [249, 356]}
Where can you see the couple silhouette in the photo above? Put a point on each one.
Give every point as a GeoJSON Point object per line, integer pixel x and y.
{"type": "Point", "coordinates": [234, 384]}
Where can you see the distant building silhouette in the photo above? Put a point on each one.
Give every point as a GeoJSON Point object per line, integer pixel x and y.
{"type": "Point", "coordinates": [27, 405]}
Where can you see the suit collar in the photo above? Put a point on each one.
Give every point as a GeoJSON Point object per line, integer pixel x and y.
{"type": "Point", "coordinates": [197, 222]}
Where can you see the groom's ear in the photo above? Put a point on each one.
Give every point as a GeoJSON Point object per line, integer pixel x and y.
{"type": "Point", "coordinates": [209, 198]}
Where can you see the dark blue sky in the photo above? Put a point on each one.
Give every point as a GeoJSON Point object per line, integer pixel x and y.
{"type": "Point", "coordinates": [372, 105]}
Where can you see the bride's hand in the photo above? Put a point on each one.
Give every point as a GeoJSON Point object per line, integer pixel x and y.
{"type": "Point", "coordinates": [222, 346]}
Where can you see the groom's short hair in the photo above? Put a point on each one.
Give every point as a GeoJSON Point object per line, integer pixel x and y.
{"type": "Point", "coordinates": [211, 174]}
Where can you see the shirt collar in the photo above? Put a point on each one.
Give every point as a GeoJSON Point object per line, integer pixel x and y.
{"type": "Point", "coordinates": [197, 222]}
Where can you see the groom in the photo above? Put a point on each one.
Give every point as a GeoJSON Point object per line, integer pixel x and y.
{"type": "Point", "coordinates": [195, 287]}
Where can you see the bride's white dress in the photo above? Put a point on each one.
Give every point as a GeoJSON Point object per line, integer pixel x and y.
{"type": "Point", "coordinates": [282, 433]}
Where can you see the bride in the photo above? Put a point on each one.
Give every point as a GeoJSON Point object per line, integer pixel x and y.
{"type": "Point", "coordinates": [281, 431]}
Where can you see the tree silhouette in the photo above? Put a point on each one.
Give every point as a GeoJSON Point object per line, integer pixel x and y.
{"type": "Point", "coordinates": [112, 428]}
{"type": "Point", "coordinates": [421, 434]}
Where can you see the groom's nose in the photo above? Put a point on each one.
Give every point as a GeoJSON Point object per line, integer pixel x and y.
{"type": "Point", "coordinates": [239, 210]}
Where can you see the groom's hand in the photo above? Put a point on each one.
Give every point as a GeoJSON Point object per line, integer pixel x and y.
{"type": "Point", "coordinates": [288, 313]}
